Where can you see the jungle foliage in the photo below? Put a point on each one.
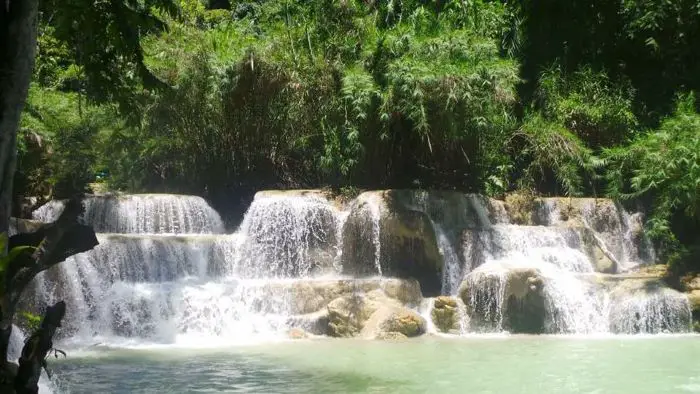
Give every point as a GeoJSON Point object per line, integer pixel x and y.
{"type": "Point", "coordinates": [222, 98]}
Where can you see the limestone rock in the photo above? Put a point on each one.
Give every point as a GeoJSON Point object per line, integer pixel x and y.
{"type": "Point", "coordinates": [691, 282]}
{"type": "Point", "coordinates": [510, 298]}
{"type": "Point", "coordinates": [347, 315]}
{"type": "Point", "coordinates": [302, 297]}
{"type": "Point", "coordinates": [313, 323]}
{"type": "Point", "coordinates": [383, 236]}
{"type": "Point", "coordinates": [393, 319]}
{"type": "Point", "coordinates": [694, 299]}
{"type": "Point", "coordinates": [444, 314]}
{"type": "Point", "coordinates": [405, 322]}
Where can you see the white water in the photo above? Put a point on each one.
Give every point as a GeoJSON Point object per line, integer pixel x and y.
{"type": "Point", "coordinates": [188, 285]}
{"type": "Point", "coordinates": [143, 213]}
{"type": "Point", "coordinates": [556, 254]}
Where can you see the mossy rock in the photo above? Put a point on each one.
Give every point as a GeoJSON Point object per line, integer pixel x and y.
{"type": "Point", "coordinates": [521, 208]}
{"type": "Point", "coordinates": [444, 314]}
{"type": "Point", "coordinates": [347, 315]}
{"type": "Point", "coordinates": [405, 322]}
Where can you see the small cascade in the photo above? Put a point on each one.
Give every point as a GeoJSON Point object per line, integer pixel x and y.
{"type": "Point", "coordinates": [289, 237]}
{"type": "Point", "coordinates": [375, 216]}
{"type": "Point", "coordinates": [649, 309]}
{"type": "Point", "coordinates": [142, 214]}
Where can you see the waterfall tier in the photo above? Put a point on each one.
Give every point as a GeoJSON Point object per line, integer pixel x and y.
{"type": "Point", "coordinates": [165, 272]}
{"type": "Point", "coordinates": [142, 213]}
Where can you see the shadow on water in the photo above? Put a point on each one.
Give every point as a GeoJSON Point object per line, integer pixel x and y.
{"type": "Point", "coordinates": [141, 372]}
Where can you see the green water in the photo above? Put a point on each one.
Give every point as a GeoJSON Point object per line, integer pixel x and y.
{"type": "Point", "coordinates": [536, 364]}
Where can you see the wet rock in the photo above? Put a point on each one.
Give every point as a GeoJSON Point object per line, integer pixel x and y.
{"type": "Point", "coordinates": [347, 315]}
{"type": "Point", "coordinates": [694, 299]}
{"type": "Point", "coordinates": [313, 323]}
{"type": "Point", "coordinates": [392, 318]}
{"type": "Point", "coordinates": [646, 305]}
{"type": "Point", "coordinates": [444, 314]}
{"type": "Point", "coordinates": [500, 298]}
{"type": "Point", "coordinates": [307, 296]}
{"type": "Point", "coordinates": [382, 236]}
{"type": "Point", "coordinates": [405, 322]}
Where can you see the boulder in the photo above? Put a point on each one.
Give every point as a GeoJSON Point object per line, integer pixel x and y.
{"type": "Point", "coordinates": [381, 236]}
{"type": "Point", "coordinates": [406, 322]}
{"type": "Point", "coordinates": [501, 298]}
{"type": "Point", "coordinates": [390, 336]}
{"type": "Point", "coordinates": [444, 314]}
{"type": "Point", "coordinates": [347, 315]}
{"type": "Point", "coordinates": [303, 297]}
{"type": "Point", "coordinates": [390, 319]}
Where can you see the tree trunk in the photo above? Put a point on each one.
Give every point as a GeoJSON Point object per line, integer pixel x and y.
{"type": "Point", "coordinates": [18, 29]}
{"type": "Point", "coordinates": [54, 242]}
{"type": "Point", "coordinates": [35, 350]}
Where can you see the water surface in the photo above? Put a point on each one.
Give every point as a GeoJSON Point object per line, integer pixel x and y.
{"type": "Point", "coordinates": [508, 364]}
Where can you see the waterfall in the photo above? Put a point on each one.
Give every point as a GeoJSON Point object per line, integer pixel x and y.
{"type": "Point", "coordinates": [142, 213]}
{"type": "Point", "coordinates": [164, 271]}
{"type": "Point", "coordinates": [288, 236]}
{"type": "Point", "coordinates": [550, 258]}
{"type": "Point", "coordinates": [168, 276]}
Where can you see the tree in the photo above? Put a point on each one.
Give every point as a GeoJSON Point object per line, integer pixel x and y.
{"type": "Point", "coordinates": [106, 56]}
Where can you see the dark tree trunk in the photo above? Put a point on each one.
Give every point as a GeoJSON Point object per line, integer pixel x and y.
{"type": "Point", "coordinates": [18, 29]}
{"type": "Point", "coordinates": [35, 350]}
{"type": "Point", "coordinates": [54, 242]}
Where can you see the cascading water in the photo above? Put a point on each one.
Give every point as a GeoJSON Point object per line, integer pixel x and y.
{"type": "Point", "coordinates": [143, 213]}
{"type": "Point", "coordinates": [175, 287]}
{"type": "Point", "coordinates": [536, 270]}
{"type": "Point", "coordinates": [164, 272]}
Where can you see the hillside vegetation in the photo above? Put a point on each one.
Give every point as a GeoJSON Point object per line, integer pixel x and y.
{"type": "Point", "coordinates": [222, 98]}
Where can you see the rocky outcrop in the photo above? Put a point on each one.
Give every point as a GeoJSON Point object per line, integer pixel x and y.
{"type": "Point", "coordinates": [511, 299]}
{"type": "Point", "coordinates": [372, 315]}
{"type": "Point", "coordinates": [304, 297]}
{"type": "Point", "coordinates": [347, 315]}
{"type": "Point", "coordinates": [614, 239]}
{"type": "Point", "coordinates": [18, 226]}
{"type": "Point", "coordinates": [383, 237]}
{"type": "Point", "coordinates": [444, 314]}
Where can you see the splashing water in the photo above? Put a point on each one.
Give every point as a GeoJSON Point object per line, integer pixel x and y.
{"type": "Point", "coordinates": [143, 214]}
{"type": "Point", "coordinates": [288, 237]}
{"type": "Point", "coordinates": [188, 284]}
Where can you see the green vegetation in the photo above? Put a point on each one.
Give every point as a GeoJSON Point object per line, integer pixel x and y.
{"type": "Point", "coordinates": [224, 98]}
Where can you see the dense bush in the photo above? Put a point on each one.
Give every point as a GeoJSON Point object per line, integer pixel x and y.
{"type": "Point", "coordinates": [224, 98]}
